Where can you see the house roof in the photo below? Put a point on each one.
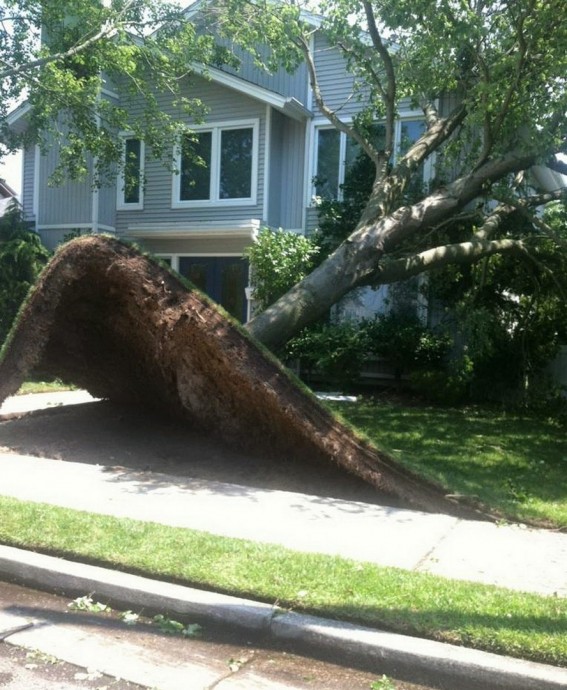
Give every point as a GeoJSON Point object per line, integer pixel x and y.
{"type": "Point", "coordinates": [289, 106]}
{"type": "Point", "coordinates": [16, 117]}
{"type": "Point", "coordinates": [6, 192]}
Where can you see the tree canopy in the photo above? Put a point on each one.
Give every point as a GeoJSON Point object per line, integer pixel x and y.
{"type": "Point", "coordinates": [63, 60]}
{"type": "Point", "coordinates": [489, 78]}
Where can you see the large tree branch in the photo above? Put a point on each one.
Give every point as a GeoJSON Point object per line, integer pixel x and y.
{"type": "Point", "coordinates": [330, 114]}
{"type": "Point", "coordinates": [357, 261]}
{"type": "Point", "coordinates": [388, 190]}
{"type": "Point", "coordinates": [389, 94]}
{"type": "Point", "coordinates": [438, 257]}
{"type": "Point", "coordinates": [13, 71]}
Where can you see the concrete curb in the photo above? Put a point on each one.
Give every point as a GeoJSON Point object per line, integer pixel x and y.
{"type": "Point", "coordinates": [412, 658]}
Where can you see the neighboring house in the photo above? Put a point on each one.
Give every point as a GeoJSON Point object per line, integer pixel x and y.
{"type": "Point", "coordinates": [7, 196]}
{"type": "Point", "coordinates": [264, 142]}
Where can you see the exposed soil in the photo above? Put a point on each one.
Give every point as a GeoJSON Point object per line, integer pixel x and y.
{"type": "Point", "coordinates": [108, 434]}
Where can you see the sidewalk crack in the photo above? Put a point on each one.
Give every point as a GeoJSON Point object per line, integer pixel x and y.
{"type": "Point", "coordinates": [428, 556]}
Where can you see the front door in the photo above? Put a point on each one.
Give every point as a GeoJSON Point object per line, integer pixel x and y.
{"type": "Point", "coordinates": [222, 278]}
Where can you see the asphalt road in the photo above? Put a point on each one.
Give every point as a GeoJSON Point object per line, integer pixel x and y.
{"type": "Point", "coordinates": [218, 658]}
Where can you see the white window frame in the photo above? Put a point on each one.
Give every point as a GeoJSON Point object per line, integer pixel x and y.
{"type": "Point", "coordinates": [342, 156]}
{"type": "Point", "coordinates": [121, 203]}
{"type": "Point", "coordinates": [216, 130]}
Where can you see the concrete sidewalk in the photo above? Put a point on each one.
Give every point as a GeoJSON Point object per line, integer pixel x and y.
{"type": "Point", "coordinates": [509, 556]}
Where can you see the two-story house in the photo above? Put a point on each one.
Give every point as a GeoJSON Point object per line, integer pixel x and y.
{"type": "Point", "coordinates": [263, 144]}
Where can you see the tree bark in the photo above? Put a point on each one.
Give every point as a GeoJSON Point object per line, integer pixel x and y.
{"type": "Point", "coordinates": [356, 262]}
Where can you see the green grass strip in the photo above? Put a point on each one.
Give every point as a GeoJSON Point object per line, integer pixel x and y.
{"type": "Point", "coordinates": [514, 464]}
{"type": "Point", "coordinates": [44, 387]}
{"type": "Point", "coordinates": [490, 618]}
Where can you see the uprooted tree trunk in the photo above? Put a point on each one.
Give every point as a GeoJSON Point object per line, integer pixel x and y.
{"type": "Point", "coordinates": [114, 322]}
{"type": "Point", "coordinates": [364, 257]}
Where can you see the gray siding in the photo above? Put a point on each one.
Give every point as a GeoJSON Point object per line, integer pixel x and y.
{"type": "Point", "coordinates": [65, 205]}
{"type": "Point", "coordinates": [312, 219]}
{"type": "Point", "coordinates": [223, 105]}
{"type": "Point", "coordinates": [28, 164]}
{"type": "Point", "coordinates": [107, 205]}
{"type": "Point", "coordinates": [276, 144]}
{"type": "Point", "coordinates": [292, 85]}
{"type": "Point", "coordinates": [336, 83]}
{"type": "Point", "coordinates": [293, 175]}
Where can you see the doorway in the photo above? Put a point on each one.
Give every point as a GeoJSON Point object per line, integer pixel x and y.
{"type": "Point", "coordinates": [222, 278]}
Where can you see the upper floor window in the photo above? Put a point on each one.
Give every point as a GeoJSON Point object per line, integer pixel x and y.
{"type": "Point", "coordinates": [130, 186]}
{"type": "Point", "coordinates": [337, 155]}
{"type": "Point", "coordinates": [218, 165]}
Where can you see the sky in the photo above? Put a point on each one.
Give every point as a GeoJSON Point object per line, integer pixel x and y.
{"type": "Point", "coordinates": [11, 172]}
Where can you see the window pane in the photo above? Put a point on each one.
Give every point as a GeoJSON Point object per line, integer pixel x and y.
{"type": "Point", "coordinates": [196, 167]}
{"type": "Point", "coordinates": [132, 166]}
{"type": "Point", "coordinates": [234, 274]}
{"type": "Point", "coordinates": [411, 131]}
{"type": "Point", "coordinates": [236, 164]}
{"type": "Point", "coordinates": [352, 152]}
{"type": "Point", "coordinates": [357, 162]}
{"type": "Point", "coordinates": [328, 151]}
{"type": "Point", "coordinates": [197, 270]}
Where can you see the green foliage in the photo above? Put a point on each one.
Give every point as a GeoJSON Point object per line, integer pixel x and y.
{"type": "Point", "coordinates": [87, 603]}
{"type": "Point", "coordinates": [278, 260]}
{"type": "Point", "coordinates": [406, 343]}
{"type": "Point", "coordinates": [335, 351]}
{"type": "Point", "coordinates": [172, 627]}
{"type": "Point", "coordinates": [383, 683]}
{"type": "Point", "coordinates": [509, 314]}
{"type": "Point", "coordinates": [140, 48]}
{"type": "Point", "coordinates": [22, 256]}
{"type": "Point", "coordinates": [338, 351]}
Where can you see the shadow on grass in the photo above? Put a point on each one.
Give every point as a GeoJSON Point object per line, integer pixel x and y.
{"type": "Point", "coordinates": [508, 462]}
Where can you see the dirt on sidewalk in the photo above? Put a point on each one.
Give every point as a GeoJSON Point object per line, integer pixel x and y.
{"type": "Point", "coordinates": [103, 433]}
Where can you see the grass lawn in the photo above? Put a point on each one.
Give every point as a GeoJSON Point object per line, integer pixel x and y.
{"type": "Point", "coordinates": [514, 464]}
{"type": "Point", "coordinates": [44, 387]}
{"type": "Point", "coordinates": [484, 617]}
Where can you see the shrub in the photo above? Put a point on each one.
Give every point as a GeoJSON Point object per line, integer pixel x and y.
{"type": "Point", "coordinates": [22, 256]}
{"type": "Point", "coordinates": [334, 351]}
{"type": "Point", "coordinates": [278, 260]}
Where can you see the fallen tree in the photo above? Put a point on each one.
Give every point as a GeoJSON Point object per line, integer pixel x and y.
{"type": "Point", "coordinates": [115, 322]}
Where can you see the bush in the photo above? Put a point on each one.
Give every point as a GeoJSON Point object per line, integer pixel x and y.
{"type": "Point", "coordinates": [22, 256]}
{"type": "Point", "coordinates": [278, 260]}
{"type": "Point", "coordinates": [407, 344]}
{"type": "Point", "coordinates": [335, 352]}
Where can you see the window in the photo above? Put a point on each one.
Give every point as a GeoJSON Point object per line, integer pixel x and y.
{"type": "Point", "coordinates": [410, 131]}
{"type": "Point", "coordinates": [337, 154]}
{"type": "Point", "coordinates": [130, 186]}
{"type": "Point", "coordinates": [218, 165]}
